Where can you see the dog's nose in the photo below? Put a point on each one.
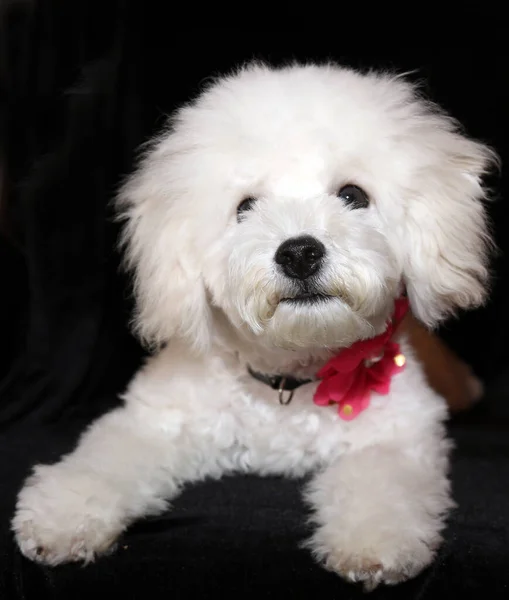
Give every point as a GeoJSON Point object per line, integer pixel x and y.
{"type": "Point", "coordinates": [300, 257]}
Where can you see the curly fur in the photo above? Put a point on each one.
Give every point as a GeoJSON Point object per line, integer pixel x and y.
{"type": "Point", "coordinates": [211, 300]}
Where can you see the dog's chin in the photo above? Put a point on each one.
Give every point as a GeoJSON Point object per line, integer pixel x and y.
{"type": "Point", "coordinates": [318, 321]}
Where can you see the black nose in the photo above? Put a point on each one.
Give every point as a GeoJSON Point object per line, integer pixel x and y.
{"type": "Point", "coordinates": [300, 257]}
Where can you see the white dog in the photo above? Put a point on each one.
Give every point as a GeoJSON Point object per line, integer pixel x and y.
{"type": "Point", "coordinates": [274, 225]}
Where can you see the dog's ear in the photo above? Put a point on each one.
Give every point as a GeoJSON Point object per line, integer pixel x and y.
{"type": "Point", "coordinates": [159, 250]}
{"type": "Point", "coordinates": [446, 236]}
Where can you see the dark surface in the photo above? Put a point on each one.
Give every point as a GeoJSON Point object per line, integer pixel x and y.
{"type": "Point", "coordinates": [81, 88]}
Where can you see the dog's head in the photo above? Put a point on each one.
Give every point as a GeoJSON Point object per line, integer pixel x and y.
{"type": "Point", "coordinates": [299, 202]}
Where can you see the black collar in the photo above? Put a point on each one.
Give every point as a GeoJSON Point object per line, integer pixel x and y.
{"type": "Point", "coordinates": [281, 383]}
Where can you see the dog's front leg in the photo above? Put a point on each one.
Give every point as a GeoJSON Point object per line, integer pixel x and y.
{"type": "Point", "coordinates": [126, 466]}
{"type": "Point", "coordinates": [380, 511]}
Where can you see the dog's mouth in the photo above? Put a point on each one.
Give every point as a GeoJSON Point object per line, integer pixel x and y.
{"type": "Point", "coordinates": [307, 298]}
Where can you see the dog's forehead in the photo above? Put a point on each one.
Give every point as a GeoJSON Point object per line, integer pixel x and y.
{"type": "Point", "coordinates": [286, 173]}
{"type": "Point", "coordinates": [290, 185]}
{"type": "Point", "coordinates": [304, 155]}
{"type": "Point", "coordinates": [301, 132]}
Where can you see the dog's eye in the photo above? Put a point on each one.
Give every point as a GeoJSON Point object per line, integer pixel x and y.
{"type": "Point", "coordinates": [244, 206]}
{"type": "Point", "coordinates": [354, 196]}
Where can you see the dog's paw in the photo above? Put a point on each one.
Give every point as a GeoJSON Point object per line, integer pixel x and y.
{"type": "Point", "coordinates": [65, 517]}
{"type": "Point", "coordinates": [371, 560]}
{"type": "Point", "coordinates": [372, 570]}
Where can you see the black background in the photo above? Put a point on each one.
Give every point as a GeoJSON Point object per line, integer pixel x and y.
{"type": "Point", "coordinates": [81, 88]}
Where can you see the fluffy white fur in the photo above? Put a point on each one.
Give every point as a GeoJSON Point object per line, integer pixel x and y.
{"type": "Point", "coordinates": [209, 298]}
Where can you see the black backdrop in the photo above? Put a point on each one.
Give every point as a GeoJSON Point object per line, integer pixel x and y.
{"type": "Point", "coordinates": [80, 90]}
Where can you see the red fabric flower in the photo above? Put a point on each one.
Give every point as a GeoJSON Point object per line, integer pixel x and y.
{"type": "Point", "coordinates": [368, 365]}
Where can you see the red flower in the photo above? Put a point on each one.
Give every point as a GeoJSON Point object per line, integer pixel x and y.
{"type": "Point", "coordinates": [368, 365]}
